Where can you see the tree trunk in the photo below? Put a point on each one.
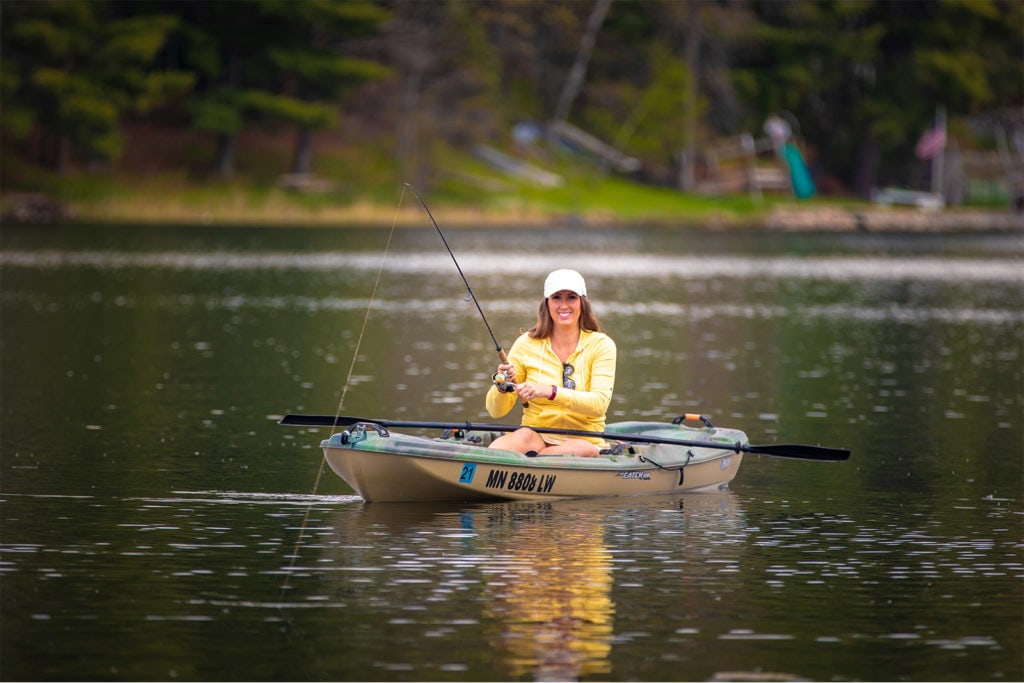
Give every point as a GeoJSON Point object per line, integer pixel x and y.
{"type": "Point", "coordinates": [578, 72]}
{"type": "Point", "coordinates": [226, 154]}
{"type": "Point", "coordinates": [408, 128]}
{"type": "Point", "coordinates": [866, 177]}
{"type": "Point", "coordinates": [226, 142]}
{"type": "Point", "coordinates": [303, 159]}
{"type": "Point", "coordinates": [687, 161]}
{"type": "Point", "coordinates": [63, 161]}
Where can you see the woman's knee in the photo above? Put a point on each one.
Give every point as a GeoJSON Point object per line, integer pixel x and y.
{"type": "Point", "coordinates": [523, 439]}
{"type": "Point", "coordinates": [585, 449]}
{"type": "Point", "coordinates": [529, 439]}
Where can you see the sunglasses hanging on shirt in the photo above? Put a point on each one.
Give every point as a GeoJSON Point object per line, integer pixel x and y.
{"type": "Point", "coordinates": [567, 371]}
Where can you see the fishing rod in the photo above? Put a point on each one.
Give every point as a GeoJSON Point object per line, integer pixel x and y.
{"type": "Point", "coordinates": [497, 347]}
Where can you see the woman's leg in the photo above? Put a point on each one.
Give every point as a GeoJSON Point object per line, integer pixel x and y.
{"type": "Point", "coordinates": [579, 447]}
{"type": "Point", "coordinates": [521, 441]}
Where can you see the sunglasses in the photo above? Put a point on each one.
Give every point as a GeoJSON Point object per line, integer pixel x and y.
{"type": "Point", "coordinates": [567, 371]}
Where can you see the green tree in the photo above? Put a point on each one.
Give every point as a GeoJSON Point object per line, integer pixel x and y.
{"type": "Point", "coordinates": [660, 88]}
{"type": "Point", "coordinates": [459, 68]}
{"type": "Point", "coordinates": [864, 77]}
{"type": "Point", "coordinates": [71, 70]}
{"type": "Point", "coordinates": [656, 129]}
{"type": "Point", "coordinates": [311, 74]}
{"type": "Point", "coordinates": [274, 63]}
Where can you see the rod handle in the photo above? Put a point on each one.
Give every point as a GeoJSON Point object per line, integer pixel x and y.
{"type": "Point", "coordinates": [504, 359]}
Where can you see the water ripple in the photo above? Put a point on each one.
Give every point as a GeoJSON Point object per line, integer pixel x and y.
{"type": "Point", "coordinates": [482, 263]}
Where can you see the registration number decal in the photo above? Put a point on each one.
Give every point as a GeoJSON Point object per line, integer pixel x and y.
{"type": "Point", "coordinates": [520, 481]}
{"type": "Point", "coordinates": [468, 472]}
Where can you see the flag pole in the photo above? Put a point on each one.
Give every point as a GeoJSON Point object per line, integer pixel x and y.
{"type": "Point", "coordinates": [938, 161]}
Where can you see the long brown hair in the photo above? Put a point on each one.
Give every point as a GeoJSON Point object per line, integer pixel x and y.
{"type": "Point", "coordinates": [545, 325]}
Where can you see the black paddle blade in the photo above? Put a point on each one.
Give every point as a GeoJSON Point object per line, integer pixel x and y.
{"type": "Point", "coordinates": [801, 452]}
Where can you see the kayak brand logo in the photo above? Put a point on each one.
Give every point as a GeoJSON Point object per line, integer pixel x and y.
{"type": "Point", "coordinates": [635, 475]}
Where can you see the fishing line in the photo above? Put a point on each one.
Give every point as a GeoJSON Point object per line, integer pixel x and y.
{"type": "Point", "coordinates": [344, 390]}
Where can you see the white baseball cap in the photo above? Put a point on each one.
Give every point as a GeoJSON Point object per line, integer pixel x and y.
{"type": "Point", "coordinates": [564, 279]}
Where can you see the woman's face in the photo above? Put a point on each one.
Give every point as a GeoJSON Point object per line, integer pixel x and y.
{"type": "Point", "coordinates": [564, 307]}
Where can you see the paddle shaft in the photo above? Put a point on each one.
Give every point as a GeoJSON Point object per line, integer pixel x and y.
{"type": "Point", "coordinates": [795, 451]}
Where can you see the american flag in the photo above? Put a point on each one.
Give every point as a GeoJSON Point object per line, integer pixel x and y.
{"type": "Point", "coordinates": [931, 143]}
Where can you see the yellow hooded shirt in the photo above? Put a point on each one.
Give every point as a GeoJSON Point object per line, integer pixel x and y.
{"type": "Point", "coordinates": [582, 408]}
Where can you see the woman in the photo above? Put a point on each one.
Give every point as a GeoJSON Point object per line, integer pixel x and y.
{"type": "Point", "coordinates": [562, 370]}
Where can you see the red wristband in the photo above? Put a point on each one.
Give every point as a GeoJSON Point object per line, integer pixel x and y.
{"type": "Point", "coordinates": [554, 391]}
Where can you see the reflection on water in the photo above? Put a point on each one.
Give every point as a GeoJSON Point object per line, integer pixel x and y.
{"type": "Point", "coordinates": [550, 584]}
{"type": "Point", "coordinates": [693, 586]}
{"type": "Point", "coordinates": [540, 576]}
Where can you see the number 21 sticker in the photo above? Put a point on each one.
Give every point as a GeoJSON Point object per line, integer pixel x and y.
{"type": "Point", "coordinates": [468, 472]}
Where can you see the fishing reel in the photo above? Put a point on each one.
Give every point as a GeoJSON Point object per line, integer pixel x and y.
{"type": "Point", "coordinates": [501, 381]}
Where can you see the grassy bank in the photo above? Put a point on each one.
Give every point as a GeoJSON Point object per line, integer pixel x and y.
{"type": "Point", "coordinates": [164, 177]}
{"type": "Point", "coordinates": [588, 200]}
{"type": "Point", "coordinates": [163, 181]}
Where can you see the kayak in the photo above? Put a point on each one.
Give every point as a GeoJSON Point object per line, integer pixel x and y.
{"type": "Point", "coordinates": [649, 458]}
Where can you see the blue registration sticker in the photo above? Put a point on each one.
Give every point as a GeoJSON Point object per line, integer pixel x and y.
{"type": "Point", "coordinates": [468, 472]}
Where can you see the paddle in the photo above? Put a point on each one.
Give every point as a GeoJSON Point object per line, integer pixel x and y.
{"type": "Point", "coordinates": [779, 450]}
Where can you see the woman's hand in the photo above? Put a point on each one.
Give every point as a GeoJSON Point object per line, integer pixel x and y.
{"type": "Point", "coordinates": [508, 370]}
{"type": "Point", "coordinates": [528, 391]}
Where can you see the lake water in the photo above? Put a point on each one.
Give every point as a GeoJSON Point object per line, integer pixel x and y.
{"type": "Point", "coordinates": [158, 524]}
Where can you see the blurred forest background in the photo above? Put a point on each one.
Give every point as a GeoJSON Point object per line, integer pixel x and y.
{"type": "Point", "coordinates": [341, 101]}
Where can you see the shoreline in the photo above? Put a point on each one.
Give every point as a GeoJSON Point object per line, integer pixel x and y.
{"type": "Point", "coordinates": [37, 209]}
{"type": "Point", "coordinates": [888, 219]}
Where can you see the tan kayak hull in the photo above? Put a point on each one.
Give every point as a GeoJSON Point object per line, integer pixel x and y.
{"type": "Point", "coordinates": [397, 467]}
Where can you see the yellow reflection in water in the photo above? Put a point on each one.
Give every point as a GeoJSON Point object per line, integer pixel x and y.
{"type": "Point", "coordinates": [551, 590]}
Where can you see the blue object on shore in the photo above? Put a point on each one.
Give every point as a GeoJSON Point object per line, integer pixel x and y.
{"type": "Point", "coordinates": [803, 186]}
